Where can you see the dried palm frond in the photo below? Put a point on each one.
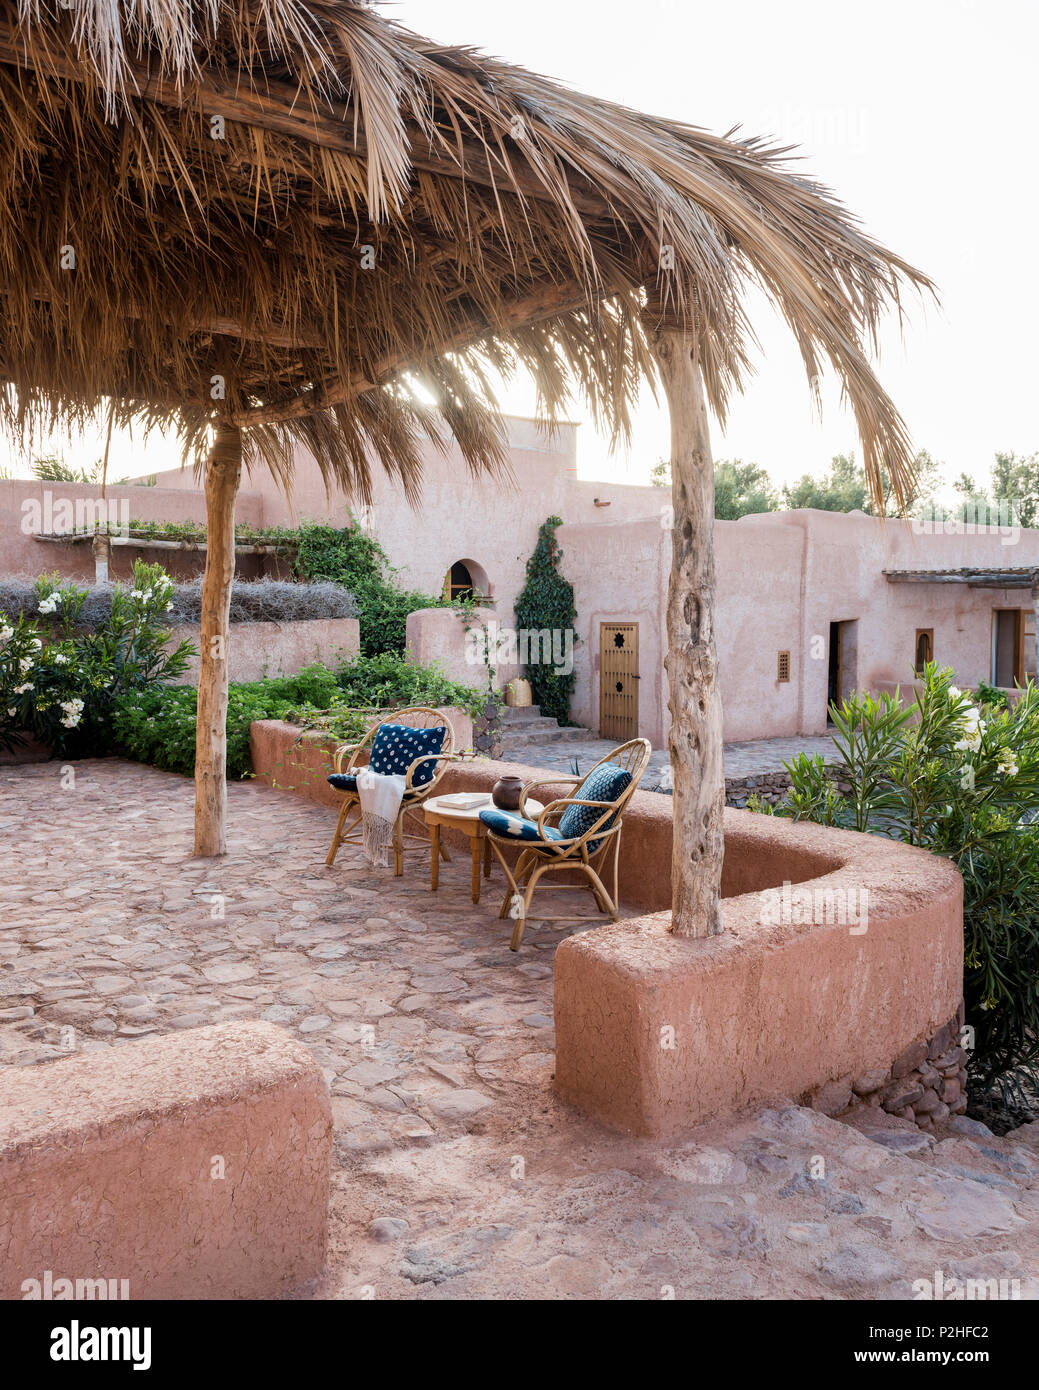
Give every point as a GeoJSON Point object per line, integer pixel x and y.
{"type": "Point", "coordinates": [381, 225]}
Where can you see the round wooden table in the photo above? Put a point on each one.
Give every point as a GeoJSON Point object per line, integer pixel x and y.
{"type": "Point", "coordinates": [467, 820]}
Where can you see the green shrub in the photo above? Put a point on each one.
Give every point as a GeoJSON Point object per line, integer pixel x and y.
{"type": "Point", "coordinates": [349, 556]}
{"type": "Point", "coordinates": [962, 782]}
{"type": "Point", "coordinates": [547, 601]}
{"type": "Point", "coordinates": [158, 726]}
{"type": "Point", "coordinates": [61, 683]}
{"type": "Point", "coordinates": [991, 695]}
{"type": "Point", "coordinates": [378, 682]}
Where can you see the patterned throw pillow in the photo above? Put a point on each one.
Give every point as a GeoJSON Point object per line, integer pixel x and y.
{"type": "Point", "coordinates": [396, 747]}
{"type": "Point", "coordinates": [342, 781]}
{"type": "Point", "coordinates": [508, 826]}
{"type": "Point", "coordinates": [605, 783]}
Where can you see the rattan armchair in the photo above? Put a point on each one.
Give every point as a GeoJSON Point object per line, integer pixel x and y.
{"type": "Point", "coordinates": [348, 825]}
{"type": "Point", "coordinates": [586, 854]}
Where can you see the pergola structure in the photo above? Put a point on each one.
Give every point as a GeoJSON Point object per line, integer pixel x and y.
{"type": "Point", "coordinates": [1019, 577]}
{"type": "Point", "coordinates": [264, 224]}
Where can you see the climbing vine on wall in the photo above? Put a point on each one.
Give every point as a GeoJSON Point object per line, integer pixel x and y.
{"type": "Point", "coordinates": [547, 602]}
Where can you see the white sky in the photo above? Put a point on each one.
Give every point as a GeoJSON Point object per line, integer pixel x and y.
{"type": "Point", "coordinates": [919, 114]}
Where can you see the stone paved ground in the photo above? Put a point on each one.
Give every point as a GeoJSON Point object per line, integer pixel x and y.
{"type": "Point", "coordinates": [457, 1171]}
{"type": "Point", "coordinates": [749, 759]}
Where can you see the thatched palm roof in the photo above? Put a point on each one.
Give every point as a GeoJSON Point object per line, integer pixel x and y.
{"type": "Point", "coordinates": [512, 221]}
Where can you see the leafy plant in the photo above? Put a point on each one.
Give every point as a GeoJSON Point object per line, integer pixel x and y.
{"type": "Point", "coordinates": [351, 557]}
{"type": "Point", "coordinates": [158, 726]}
{"type": "Point", "coordinates": [962, 782]}
{"type": "Point", "coordinates": [991, 695]}
{"type": "Point", "coordinates": [60, 682]}
{"type": "Point", "coordinates": [547, 602]}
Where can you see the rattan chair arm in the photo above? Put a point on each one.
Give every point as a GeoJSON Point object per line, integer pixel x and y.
{"type": "Point", "coordinates": [431, 757]}
{"type": "Point", "coordinates": [337, 757]}
{"type": "Point", "coordinates": [564, 803]}
{"type": "Point", "coordinates": [542, 782]}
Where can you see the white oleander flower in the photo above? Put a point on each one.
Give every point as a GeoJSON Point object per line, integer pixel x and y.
{"type": "Point", "coordinates": [1007, 763]}
{"type": "Point", "coordinates": [6, 633]}
{"type": "Point", "coordinates": [11, 713]}
{"type": "Point", "coordinates": [49, 604]}
{"type": "Point", "coordinates": [37, 644]}
{"type": "Point", "coordinates": [25, 664]}
{"type": "Point", "coordinates": [136, 593]}
{"type": "Point", "coordinates": [954, 692]}
{"type": "Point", "coordinates": [21, 689]}
{"type": "Point", "coordinates": [73, 712]}
{"type": "Point", "coordinates": [60, 659]}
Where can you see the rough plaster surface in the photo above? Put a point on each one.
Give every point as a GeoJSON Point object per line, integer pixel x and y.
{"type": "Point", "coordinates": [259, 651]}
{"type": "Point", "coordinates": [764, 1009]}
{"type": "Point", "coordinates": [108, 1163]}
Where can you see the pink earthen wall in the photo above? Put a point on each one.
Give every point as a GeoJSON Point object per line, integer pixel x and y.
{"type": "Point", "coordinates": [655, 1032]}
{"type": "Point", "coordinates": [177, 500]}
{"type": "Point", "coordinates": [441, 637]}
{"type": "Point", "coordinates": [194, 1165]}
{"type": "Point", "coordinates": [261, 650]}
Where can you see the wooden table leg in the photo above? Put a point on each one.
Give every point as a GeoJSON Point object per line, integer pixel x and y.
{"type": "Point", "coordinates": [434, 856]}
{"type": "Point", "coordinates": [476, 868]}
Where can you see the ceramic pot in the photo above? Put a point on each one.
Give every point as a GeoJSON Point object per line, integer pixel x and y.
{"type": "Point", "coordinates": [506, 793]}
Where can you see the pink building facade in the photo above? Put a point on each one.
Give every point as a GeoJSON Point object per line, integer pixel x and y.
{"type": "Point", "coordinates": [805, 606]}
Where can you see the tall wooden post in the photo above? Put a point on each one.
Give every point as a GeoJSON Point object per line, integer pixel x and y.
{"type": "Point", "coordinates": [223, 473]}
{"type": "Point", "coordinates": [1035, 619]}
{"type": "Point", "coordinates": [697, 760]}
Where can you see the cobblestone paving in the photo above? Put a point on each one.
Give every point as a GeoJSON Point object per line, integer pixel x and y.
{"type": "Point", "coordinates": [457, 1171]}
{"type": "Point", "coordinates": [748, 759]}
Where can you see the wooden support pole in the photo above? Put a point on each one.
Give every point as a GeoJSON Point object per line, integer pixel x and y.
{"type": "Point", "coordinates": [223, 473]}
{"type": "Point", "coordinates": [697, 760]}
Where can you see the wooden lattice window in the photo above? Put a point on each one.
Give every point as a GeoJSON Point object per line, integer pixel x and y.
{"type": "Point", "coordinates": [924, 651]}
{"type": "Point", "coordinates": [783, 667]}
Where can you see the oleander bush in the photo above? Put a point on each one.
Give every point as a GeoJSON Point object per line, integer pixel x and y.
{"type": "Point", "coordinates": [60, 680]}
{"type": "Point", "coordinates": [962, 781]}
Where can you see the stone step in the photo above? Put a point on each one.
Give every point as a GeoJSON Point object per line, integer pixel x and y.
{"type": "Point", "coordinates": [521, 714]}
{"type": "Point", "coordinates": [554, 735]}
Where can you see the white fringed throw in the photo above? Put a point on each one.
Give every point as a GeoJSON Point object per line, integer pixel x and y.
{"type": "Point", "coordinates": [381, 796]}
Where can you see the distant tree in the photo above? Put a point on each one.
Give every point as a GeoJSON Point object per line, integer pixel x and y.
{"type": "Point", "coordinates": [741, 489]}
{"type": "Point", "coordinates": [1013, 482]}
{"type": "Point", "coordinates": [53, 469]}
{"type": "Point", "coordinates": [843, 488]}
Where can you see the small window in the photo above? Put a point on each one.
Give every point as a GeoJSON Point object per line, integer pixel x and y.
{"type": "Point", "coordinates": [783, 667]}
{"type": "Point", "coordinates": [924, 649]}
{"type": "Point", "coordinates": [459, 582]}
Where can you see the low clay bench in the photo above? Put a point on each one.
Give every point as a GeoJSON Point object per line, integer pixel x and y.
{"type": "Point", "coordinates": [191, 1166]}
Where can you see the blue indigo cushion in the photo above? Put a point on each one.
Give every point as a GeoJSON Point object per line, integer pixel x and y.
{"type": "Point", "coordinates": [396, 747]}
{"type": "Point", "coordinates": [342, 781]}
{"type": "Point", "coordinates": [511, 827]}
{"type": "Point", "coordinates": [604, 783]}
